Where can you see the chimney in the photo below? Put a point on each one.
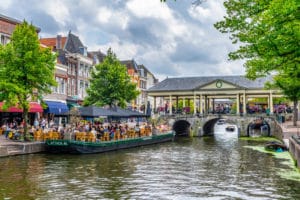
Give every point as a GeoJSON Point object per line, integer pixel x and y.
{"type": "Point", "coordinates": [58, 42]}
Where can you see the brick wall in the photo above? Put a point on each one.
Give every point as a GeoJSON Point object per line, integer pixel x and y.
{"type": "Point", "coordinates": [6, 27]}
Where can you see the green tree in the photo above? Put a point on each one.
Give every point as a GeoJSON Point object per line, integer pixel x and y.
{"type": "Point", "coordinates": [290, 87]}
{"type": "Point", "coordinates": [26, 70]}
{"type": "Point", "coordinates": [268, 32]}
{"type": "Point", "coordinates": [110, 84]}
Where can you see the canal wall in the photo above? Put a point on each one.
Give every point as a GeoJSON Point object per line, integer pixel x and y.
{"type": "Point", "coordinates": [277, 131]}
{"type": "Point", "coordinates": [20, 148]}
{"type": "Point", "coordinates": [294, 148]}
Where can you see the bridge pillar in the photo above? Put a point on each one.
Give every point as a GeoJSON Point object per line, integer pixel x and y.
{"type": "Point", "coordinates": [271, 103]}
{"type": "Point", "coordinates": [244, 103]}
{"type": "Point", "coordinates": [195, 105]}
{"type": "Point", "coordinates": [170, 105]}
{"type": "Point", "coordinates": [201, 108]}
{"type": "Point", "coordinates": [237, 104]}
{"type": "Point", "coordinates": [154, 106]}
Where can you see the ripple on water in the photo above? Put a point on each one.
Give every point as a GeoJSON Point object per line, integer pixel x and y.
{"type": "Point", "coordinates": [192, 168]}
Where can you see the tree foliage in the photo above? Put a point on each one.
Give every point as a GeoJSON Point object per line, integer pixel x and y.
{"type": "Point", "coordinates": [26, 69]}
{"type": "Point", "coordinates": [268, 35]}
{"type": "Point", "coordinates": [110, 84]}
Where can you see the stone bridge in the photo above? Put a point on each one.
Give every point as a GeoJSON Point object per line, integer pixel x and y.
{"type": "Point", "coordinates": [189, 125]}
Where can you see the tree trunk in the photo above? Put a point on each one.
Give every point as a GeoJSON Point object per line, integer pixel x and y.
{"type": "Point", "coordinates": [295, 118]}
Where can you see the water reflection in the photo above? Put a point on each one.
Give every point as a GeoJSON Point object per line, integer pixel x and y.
{"type": "Point", "coordinates": [218, 167]}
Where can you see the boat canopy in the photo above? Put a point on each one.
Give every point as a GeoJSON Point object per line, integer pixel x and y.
{"type": "Point", "coordinates": [95, 111]}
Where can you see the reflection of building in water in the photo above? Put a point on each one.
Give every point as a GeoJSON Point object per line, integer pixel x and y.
{"type": "Point", "coordinates": [259, 127]}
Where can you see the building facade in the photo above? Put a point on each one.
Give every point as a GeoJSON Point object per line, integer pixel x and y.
{"type": "Point", "coordinates": [7, 27]}
{"type": "Point", "coordinates": [73, 55]}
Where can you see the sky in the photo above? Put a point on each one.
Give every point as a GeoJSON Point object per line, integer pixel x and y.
{"type": "Point", "coordinates": [172, 39]}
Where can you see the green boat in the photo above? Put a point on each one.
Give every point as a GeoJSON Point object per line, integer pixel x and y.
{"type": "Point", "coordinates": [79, 147]}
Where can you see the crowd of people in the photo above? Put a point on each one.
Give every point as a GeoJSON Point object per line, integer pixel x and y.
{"type": "Point", "coordinates": [15, 130]}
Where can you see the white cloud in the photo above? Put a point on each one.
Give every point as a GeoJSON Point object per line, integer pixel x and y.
{"type": "Point", "coordinates": [170, 39]}
{"type": "Point", "coordinates": [150, 9]}
{"type": "Point", "coordinates": [57, 9]}
{"type": "Point", "coordinates": [104, 14]}
{"type": "Point", "coordinates": [5, 4]}
{"type": "Point", "coordinates": [208, 12]}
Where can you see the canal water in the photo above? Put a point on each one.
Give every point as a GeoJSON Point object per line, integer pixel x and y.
{"type": "Point", "coordinates": [219, 167]}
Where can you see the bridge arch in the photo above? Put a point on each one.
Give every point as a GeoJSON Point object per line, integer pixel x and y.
{"type": "Point", "coordinates": [182, 127]}
{"type": "Point", "coordinates": [263, 128]}
{"type": "Point", "coordinates": [208, 127]}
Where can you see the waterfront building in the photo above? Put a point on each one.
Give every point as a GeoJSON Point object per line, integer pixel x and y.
{"type": "Point", "coordinates": [144, 79]}
{"type": "Point", "coordinates": [97, 56]}
{"type": "Point", "coordinates": [73, 55]}
{"type": "Point", "coordinates": [7, 26]}
{"type": "Point", "coordinates": [147, 80]}
{"type": "Point", "coordinates": [132, 70]}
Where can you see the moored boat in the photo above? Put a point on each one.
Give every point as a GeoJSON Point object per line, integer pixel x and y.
{"type": "Point", "coordinates": [221, 122]}
{"type": "Point", "coordinates": [275, 146]}
{"type": "Point", "coordinates": [230, 128]}
{"type": "Point", "coordinates": [82, 147]}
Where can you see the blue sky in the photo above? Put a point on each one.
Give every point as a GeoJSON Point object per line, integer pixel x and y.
{"type": "Point", "coordinates": [171, 39]}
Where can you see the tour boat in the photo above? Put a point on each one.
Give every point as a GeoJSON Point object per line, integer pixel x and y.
{"type": "Point", "coordinates": [82, 147]}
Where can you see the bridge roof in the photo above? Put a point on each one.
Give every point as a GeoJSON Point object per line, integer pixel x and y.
{"type": "Point", "coordinates": [192, 83]}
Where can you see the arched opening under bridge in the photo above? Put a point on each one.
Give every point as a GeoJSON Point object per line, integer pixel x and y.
{"type": "Point", "coordinates": [182, 128]}
{"type": "Point", "coordinates": [208, 128]}
{"type": "Point", "coordinates": [259, 127]}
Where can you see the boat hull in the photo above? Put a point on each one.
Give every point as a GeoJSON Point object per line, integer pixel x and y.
{"type": "Point", "coordinates": [78, 147]}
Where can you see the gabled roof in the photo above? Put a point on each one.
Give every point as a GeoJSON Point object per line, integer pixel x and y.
{"type": "Point", "coordinates": [130, 64]}
{"type": "Point", "coordinates": [146, 70]}
{"type": "Point", "coordinates": [73, 44]}
{"type": "Point", "coordinates": [192, 83]}
{"type": "Point", "coordinates": [10, 20]}
{"type": "Point", "coordinates": [98, 54]}
{"type": "Point", "coordinates": [15, 21]}
{"type": "Point", "coordinates": [51, 42]}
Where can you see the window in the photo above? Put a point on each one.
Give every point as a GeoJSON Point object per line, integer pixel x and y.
{"type": "Point", "coordinates": [73, 87]}
{"type": "Point", "coordinates": [62, 86]}
{"type": "Point", "coordinates": [2, 39]}
{"type": "Point", "coordinates": [74, 69]}
{"type": "Point", "coordinates": [81, 69]}
{"type": "Point", "coordinates": [69, 87]}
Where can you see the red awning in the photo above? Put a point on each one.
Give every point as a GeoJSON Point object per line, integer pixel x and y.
{"type": "Point", "coordinates": [33, 107]}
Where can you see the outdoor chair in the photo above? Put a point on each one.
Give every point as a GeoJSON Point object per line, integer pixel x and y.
{"type": "Point", "coordinates": [47, 135]}
{"type": "Point", "coordinates": [117, 135]}
{"type": "Point", "coordinates": [38, 135]}
{"type": "Point", "coordinates": [105, 136]}
{"type": "Point", "coordinates": [55, 135]}
{"type": "Point", "coordinates": [81, 136]}
{"type": "Point", "coordinates": [90, 137]}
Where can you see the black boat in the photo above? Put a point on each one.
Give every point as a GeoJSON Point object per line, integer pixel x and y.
{"type": "Point", "coordinates": [81, 147]}
{"type": "Point", "coordinates": [221, 121]}
{"type": "Point", "coordinates": [230, 128]}
{"type": "Point", "coordinates": [275, 146]}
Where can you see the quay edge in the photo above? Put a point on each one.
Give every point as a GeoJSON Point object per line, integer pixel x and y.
{"type": "Point", "coordinates": [21, 148]}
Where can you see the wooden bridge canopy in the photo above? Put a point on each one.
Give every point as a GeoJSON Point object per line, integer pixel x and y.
{"type": "Point", "coordinates": [204, 90]}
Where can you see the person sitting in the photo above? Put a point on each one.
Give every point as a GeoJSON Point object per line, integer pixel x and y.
{"type": "Point", "coordinates": [6, 129]}
{"type": "Point", "coordinates": [112, 133]}
{"type": "Point", "coordinates": [137, 130]}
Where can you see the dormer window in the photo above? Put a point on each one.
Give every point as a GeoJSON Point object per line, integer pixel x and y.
{"type": "Point", "coordinates": [83, 50]}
